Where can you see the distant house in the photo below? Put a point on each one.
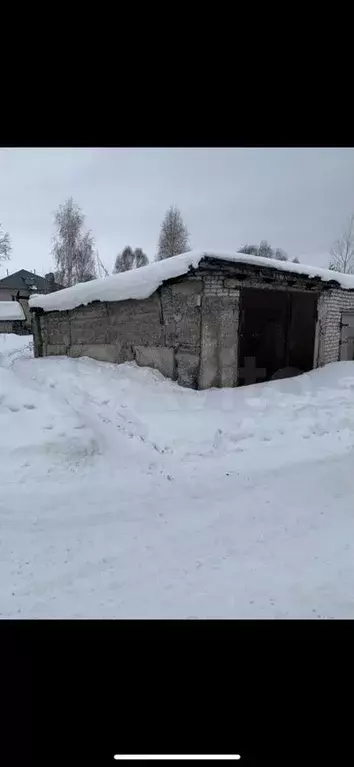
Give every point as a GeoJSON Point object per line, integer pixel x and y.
{"type": "Point", "coordinates": [23, 284]}
{"type": "Point", "coordinates": [12, 318]}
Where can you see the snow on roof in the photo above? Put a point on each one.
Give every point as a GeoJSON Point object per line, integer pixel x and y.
{"type": "Point", "coordinates": [141, 283]}
{"type": "Point", "coordinates": [11, 310]}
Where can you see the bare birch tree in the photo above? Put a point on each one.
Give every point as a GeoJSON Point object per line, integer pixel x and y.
{"type": "Point", "coordinates": [124, 261]}
{"type": "Point", "coordinates": [140, 258]}
{"type": "Point", "coordinates": [342, 251]}
{"type": "Point", "coordinates": [73, 250]}
{"type": "Point", "coordinates": [265, 250]}
{"type": "Point", "coordinates": [174, 235]}
{"type": "Point", "coordinates": [85, 267]}
{"type": "Point", "coordinates": [130, 259]}
{"type": "Point", "coordinates": [5, 245]}
{"type": "Point", "coordinates": [101, 269]}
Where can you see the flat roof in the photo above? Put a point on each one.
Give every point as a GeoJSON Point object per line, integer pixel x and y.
{"type": "Point", "coordinates": [143, 282]}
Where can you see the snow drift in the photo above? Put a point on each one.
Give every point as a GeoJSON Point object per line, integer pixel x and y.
{"type": "Point", "coordinates": [123, 495]}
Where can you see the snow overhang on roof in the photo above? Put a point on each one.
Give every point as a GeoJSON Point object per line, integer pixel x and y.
{"type": "Point", "coordinates": [11, 310]}
{"type": "Point", "coordinates": [142, 283]}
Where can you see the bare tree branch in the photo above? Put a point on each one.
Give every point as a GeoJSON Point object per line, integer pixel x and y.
{"type": "Point", "coordinates": [85, 267]}
{"type": "Point", "coordinates": [5, 245]}
{"type": "Point", "coordinates": [342, 251]}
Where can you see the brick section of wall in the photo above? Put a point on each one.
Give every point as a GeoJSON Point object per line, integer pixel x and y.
{"type": "Point", "coordinates": [220, 320]}
{"type": "Point", "coordinates": [331, 304]}
{"type": "Point", "coordinates": [219, 285]}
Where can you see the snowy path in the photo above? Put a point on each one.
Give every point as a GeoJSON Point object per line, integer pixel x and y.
{"type": "Point", "coordinates": [123, 495]}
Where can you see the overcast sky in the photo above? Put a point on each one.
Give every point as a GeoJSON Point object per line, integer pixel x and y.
{"type": "Point", "coordinates": [297, 199]}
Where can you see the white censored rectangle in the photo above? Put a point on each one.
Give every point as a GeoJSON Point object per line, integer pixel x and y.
{"type": "Point", "coordinates": [177, 756]}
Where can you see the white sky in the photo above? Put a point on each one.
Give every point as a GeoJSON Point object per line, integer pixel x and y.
{"type": "Point", "coordinates": [297, 199]}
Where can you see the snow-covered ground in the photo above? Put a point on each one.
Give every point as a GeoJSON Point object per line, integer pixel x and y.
{"type": "Point", "coordinates": [124, 495]}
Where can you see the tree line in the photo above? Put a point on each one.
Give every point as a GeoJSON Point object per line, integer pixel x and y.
{"type": "Point", "coordinates": [264, 250]}
{"type": "Point", "coordinates": [173, 240]}
{"type": "Point", "coordinates": [76, 258]}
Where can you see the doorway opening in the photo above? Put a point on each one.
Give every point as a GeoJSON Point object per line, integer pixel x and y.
{"type": "Point", "coordinates": [346, 347]}
{"type": "Point", "coordinates": [276, 335]}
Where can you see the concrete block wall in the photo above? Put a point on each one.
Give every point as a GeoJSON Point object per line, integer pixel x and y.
{"type": "Point", "coordinates": [331, 304]}
{"type": "Point", "coordinates": [162, 331]}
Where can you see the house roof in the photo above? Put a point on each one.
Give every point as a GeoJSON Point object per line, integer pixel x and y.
{"type": "Point", "coordinates": [24, 280]}
{"type": "Point", "coordinates": [141, 283]}
{"type": "Point", "coordinates": [11, 310]}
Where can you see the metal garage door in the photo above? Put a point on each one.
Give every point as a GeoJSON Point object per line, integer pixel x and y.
{"type": "Point", "coordinates": [346, 351]}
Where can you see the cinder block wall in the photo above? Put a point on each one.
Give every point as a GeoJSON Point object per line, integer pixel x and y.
{"type": "Point", "coordinates": [188, 330]}
{"type": "Point", "coordinates": [162, 331]}
{"type": "Point", "coordinates": [331, 304]}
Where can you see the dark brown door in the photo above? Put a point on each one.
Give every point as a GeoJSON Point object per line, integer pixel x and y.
{"type": "Point", "coordinates": [277, 334]}
{"type": "Point", "coordinates": [262, 339]}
